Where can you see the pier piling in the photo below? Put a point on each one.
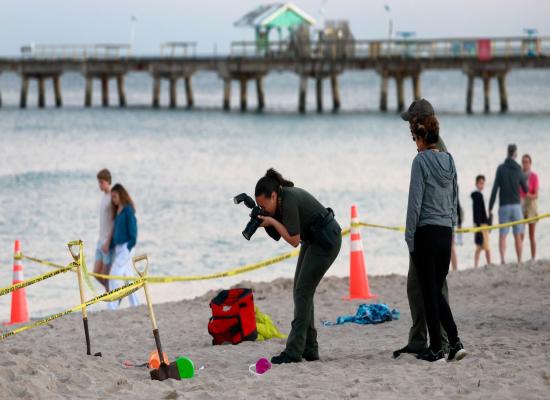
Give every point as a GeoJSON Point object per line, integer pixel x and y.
{"type": "Point", "coordinates": [41, 92]}
{"type": "Point", "coordinates": [57, 90]}
{"type": "Point", "coordinates": [503, 93]}
{"type": "Point", "coordinates": [227, 94]}
{"type": "Point", "coordinates": [88, 91]}
{"type": "Point", "coordinates": [400, 93]}
{"type": "Point", "coordinates": [105, 91]}
{"type": "Point", "coordinates": [243, 83]}
{"type": "Point", "coordinates": [173, 92]}
{"type": "Point", "coordinates": [24, 92]}
{"type": "Point", "coordinates": [416, 86]}
{"type": "Point", "coordinates": [121, 91]}
{"type": "Point", "coordinates": [156, 91]}
{"type": "Point", "coordinates": [486, 93]}
{"type": "Point", "coordinates": [335, 93]}
{"type": "Point", "coordinates": [470, 94]}
{"type": "Point", "coordinates": [260, 93]}
{"type": "Point", "coordinates": [302, 97]}
{"type": "Point", "coordinates": [189, 92]}
{"type": "Point", "coordinates": [319, 91]}
{"type": "Point", "coordinates": [384, 93]}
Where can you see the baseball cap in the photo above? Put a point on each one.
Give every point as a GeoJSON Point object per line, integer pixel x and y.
{"type": "Point", "coordinates": [418, 108]}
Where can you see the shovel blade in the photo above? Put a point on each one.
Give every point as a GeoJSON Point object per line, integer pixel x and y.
{"type": "Point", "coordinates": [165, 371]}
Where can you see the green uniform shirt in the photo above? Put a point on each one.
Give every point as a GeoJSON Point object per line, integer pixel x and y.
{"type": "Point", "coordinates": [297, 212]}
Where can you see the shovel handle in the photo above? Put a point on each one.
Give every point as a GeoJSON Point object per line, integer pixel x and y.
{"type": "Point", "coordinates": [143, 273]}
{"type": "Point", "coordinates": [72, 245]}
{"type": "Point", "coordinates": [136, 260]}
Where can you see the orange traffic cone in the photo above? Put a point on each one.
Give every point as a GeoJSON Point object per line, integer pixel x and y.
{"type": "Point", "coordinates": [19, 308]}
{"type": "Point", "coordinates": [358, 279]}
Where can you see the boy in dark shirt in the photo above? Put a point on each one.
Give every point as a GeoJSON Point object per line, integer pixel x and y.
{"type": "Point", "coordinates": [480, 218]}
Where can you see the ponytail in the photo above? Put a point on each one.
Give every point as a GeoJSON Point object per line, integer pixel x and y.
{"type": "Point", "coordinates": [271, 182]}
{"type": "Point", "coordinates": [426, 128]}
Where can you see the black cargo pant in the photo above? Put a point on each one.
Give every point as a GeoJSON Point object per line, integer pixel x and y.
{"type": "Point", "coordinates": [313, 263]}
{"type": "Point", "coordinates": [418, 334]}
{"type": "Point", "coordinates": [432, 256]}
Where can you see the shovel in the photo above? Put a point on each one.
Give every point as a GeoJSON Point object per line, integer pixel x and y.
{"type": "Point", "coordinates": [164, 371]}
{"type": "Point", "coordinates": [77, 261]}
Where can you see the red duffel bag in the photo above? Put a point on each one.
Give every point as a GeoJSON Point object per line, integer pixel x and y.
{"type": "Point", "coordinates": [233, 319]}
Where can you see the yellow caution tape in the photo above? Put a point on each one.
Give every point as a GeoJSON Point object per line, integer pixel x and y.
{"type": "Point", "coordinates": [391, 228]}
{"type": "Point", "coordinates": [273, 260]}
{"type": "Point", "coordinates": [108, 296]}
{"type": "Point", "coordinates": [224, 274]}
{"type": "Point", "coordinates": [39, 261]}
{"type": "Point", "coordinates": [82, 261]}
{"type": "Point", "coordinates": [506, 225]}
{"type": "Point", "coordinates": [463, 230]}
{"type": "Point", "coordinates": [36, 279]}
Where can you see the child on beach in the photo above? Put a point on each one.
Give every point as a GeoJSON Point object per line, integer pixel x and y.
{"type": "Point", "coordinates": [124, 240]}
{"type": "Point", "coordinates": [481, 239]}
{"type": "Point", "coordinates": [103, 254]}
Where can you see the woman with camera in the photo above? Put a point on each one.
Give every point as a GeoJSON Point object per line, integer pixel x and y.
{"type": "Point", "coordinates": [296, 216]}
{"type": "Point", "coordinates": [431, 215]}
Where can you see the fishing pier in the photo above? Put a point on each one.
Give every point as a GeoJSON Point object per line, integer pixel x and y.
{"type": "Point", "coordinates": [321, 60]}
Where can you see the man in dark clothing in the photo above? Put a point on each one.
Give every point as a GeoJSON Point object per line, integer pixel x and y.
{"type": "Point", "coordinates": [508, 180]}
{"type": "Point", "coordinates": [418, 334]}
{"type": "Point", "coordinates": [480, 218]}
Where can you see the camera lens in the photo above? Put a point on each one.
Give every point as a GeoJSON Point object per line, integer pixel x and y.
{"type": "Point", "coordinates": [251, 227]}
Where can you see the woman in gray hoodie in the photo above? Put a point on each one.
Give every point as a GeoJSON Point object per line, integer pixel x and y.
{"type": "Point", "coordinates": [431, 216]}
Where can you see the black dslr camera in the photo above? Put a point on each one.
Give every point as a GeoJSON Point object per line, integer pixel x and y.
{"type": "Point", "coordinates": [254, 222]}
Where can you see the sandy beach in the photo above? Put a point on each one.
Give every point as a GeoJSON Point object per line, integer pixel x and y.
{"type": "Point", "coordinates": [503, 315]}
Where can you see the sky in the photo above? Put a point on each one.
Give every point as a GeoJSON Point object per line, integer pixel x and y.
{"type": "Point", "coordinates": [210, 22]}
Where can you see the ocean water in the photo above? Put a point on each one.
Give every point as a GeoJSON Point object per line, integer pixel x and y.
{"type": "Point", "coordinates": [183, 168]}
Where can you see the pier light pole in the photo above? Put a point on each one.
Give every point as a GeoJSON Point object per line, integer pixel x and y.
{"type": "Point", "coordinates": [132, 32]}
{"type": "Point", "coordinates": [390, 26]}
{"type": "Point", "coordinates": [322, 9]}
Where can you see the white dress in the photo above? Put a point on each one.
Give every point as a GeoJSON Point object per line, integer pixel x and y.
{"type": "Point", "coordinates": [122, 266]}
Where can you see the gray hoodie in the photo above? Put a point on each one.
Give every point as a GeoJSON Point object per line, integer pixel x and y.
{"type": "Point", "coordinates": [433, 193]}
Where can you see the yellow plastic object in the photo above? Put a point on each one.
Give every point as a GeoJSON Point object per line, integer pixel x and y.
{"type": "Point", "coordinates": [265, 326]}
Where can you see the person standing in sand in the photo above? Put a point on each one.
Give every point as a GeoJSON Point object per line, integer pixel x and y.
{"type": "Point", "coordinates": [454, 257]}
{"type": "Point", "coordinates": [418, 334]}
{"type": "Point", "coordinates": [103, 253]}
{"type": "Point", "coordinates": [432, 213]}
{"type": "Point", "coordinates": [124, 241]}
{"type": "Point", "coordinates": [481, 239]}
{"type": "Point", "coordinates": [530, 199]}
{"type": "Point", "coordinates": [299, 218]}
{"type": "Point", "coordinates": [508, 181]}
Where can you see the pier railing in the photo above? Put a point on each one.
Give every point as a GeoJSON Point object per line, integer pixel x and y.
{"type": "Point", "coordinates": [479, 58]}
{"type": "Point", "coordinates": [405, 48]}
{"type": "Point", "coordinates": [178, 49]}
{"type": "Point", "coordinates": [76, 51]}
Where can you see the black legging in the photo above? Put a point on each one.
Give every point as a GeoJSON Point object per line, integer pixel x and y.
{"type": "Point", "coordinates": [432, 255]}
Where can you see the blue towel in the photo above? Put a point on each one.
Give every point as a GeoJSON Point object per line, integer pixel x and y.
{"type": "Point", "coordinates": [367, 314]}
